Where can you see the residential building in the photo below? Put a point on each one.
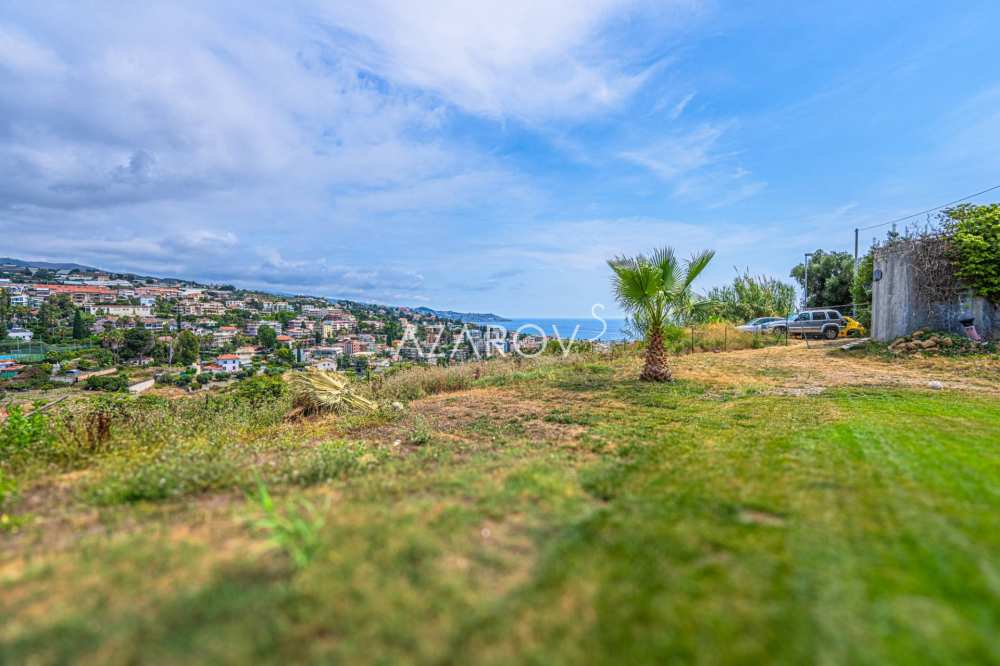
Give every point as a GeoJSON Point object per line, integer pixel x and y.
{"type": "Point", "coordinates": [120, 310]}
{"type": "Point", "coordinates": [230, 363]}
{"type": "Point", "coordinates": [22, 334]}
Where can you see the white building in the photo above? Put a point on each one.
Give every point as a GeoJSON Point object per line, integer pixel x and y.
{"type": "Point", "coordinates": [229, 363]}
{"type": "Point", "coordinates": [20, 334]}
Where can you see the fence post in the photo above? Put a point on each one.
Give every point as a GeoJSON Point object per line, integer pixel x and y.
{"type": "Point", "coordinates": [692, 339]}
{"type": "Point", "coordinates": [725, 337]}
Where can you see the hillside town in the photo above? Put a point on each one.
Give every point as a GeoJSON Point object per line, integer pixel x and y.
{"type": "Point", "coordinates": [67, 325]}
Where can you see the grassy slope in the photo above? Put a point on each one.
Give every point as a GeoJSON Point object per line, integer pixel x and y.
{"type": "Point", "coordinates": [572, 515]}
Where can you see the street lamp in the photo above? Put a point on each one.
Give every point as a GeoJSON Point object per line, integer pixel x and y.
{"type": "Point", "coordinates": [805, 290]}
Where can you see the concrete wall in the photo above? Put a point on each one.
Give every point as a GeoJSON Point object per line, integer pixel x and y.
{"type": "Point", "coordinates": [141, 387]}
{"type": "Point", "coordinates": [897, 308]}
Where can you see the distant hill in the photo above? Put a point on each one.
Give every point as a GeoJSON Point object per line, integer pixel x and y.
{"type": "Point", "coordinates": [57, 266]}
{"type": "Point", "coordinates": [461, 316]}
{"type": "Point", "coordinates": [52, 266]}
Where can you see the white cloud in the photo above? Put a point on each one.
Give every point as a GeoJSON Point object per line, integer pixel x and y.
{"type": "Point", "coordinates": [525, 58]}
{"type": "Point", "coordinates": [697, 167]}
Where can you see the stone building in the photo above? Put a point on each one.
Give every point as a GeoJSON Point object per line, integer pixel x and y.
{"type": "Point", "coordinates": [909, 294]}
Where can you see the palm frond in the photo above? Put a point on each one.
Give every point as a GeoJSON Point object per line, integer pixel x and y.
{"type": "Point", "coordinates": [694, 266]}
{"type": "Point", "coordinates": [635, 282]}
{"type": "Point", "coordinates": [318, 392]}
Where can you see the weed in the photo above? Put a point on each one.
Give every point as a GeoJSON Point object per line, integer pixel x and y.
{"type": "Point", "coordinates": [420, 433]}
{"type": "Point", "coordinates": [170, 472]}
{"type": "Point", "coordinates": [294, 530]}
{"type": "Point", "coordinates": [21, 433]}
{"type": "Point", "coordinates": [332, 460]}
{"type": "Point", "coordinates": [8, 491]}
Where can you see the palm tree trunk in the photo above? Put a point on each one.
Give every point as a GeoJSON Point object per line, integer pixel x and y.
{"type": "Point", "coordinates": [656, 368]}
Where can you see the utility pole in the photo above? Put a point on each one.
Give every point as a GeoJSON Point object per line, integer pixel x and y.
{"type": "Point", "coordinates": [805, 290]}
{"type": "Point", "coordinates": [854, 306]}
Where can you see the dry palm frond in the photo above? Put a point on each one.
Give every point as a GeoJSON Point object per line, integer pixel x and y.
{"type": "Point", "coordinates": [318, 392]}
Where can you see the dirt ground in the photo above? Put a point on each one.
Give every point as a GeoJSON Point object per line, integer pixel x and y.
{"type": "Point", "coordinates": [798, 368]}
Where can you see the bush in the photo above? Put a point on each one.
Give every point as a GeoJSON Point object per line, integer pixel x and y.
{"type": "Point", "coordinates": [258, 390]}
{"type": "Point", "coordinates": [22, 433]}
{"type": "Point", "coordinates": [110, 383]}
{"type": "Point", "coordinates": [975, 247]}
{"type": "Point", "coordinates": [167, 379]}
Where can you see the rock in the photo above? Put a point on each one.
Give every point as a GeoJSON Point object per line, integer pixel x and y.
{"type": "Point", "coordinates": [927, 344]}
{"type": "Point", "coordinates": [947, 342]}
{"type": "Point", "coordinates": [397, 406]}
{"type": "Point", "coordinates": [936, 385]}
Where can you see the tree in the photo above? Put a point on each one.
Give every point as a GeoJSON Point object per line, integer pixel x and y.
{"type": "Point", "coordinates": [749, 297]}
{"type": "Point", "coordinates": [831, 275]}
{"type": "Point", "coordinates": [186, 348]}
{"type": "Point", "coordinates": [113, 340]}
{"type": "Point", "coordinates": [975, 247]}
{"type": "Point", "coordinates": [652, 289]}
{"type": "Point", "coordinates": [79, 327]}
{"type": "Point", "coordinates": [393, 331]}
{"type": "Point", "coordinates": [138, 343]}
{"type": "Point", "coordinates": [266, 337]}
{"type": "Point", "coordinates": [5, 312]}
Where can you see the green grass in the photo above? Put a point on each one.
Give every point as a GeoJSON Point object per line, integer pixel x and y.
{"type": "Point", "coordinates": [679, 524]}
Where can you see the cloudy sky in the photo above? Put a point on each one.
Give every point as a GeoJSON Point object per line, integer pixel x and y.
{"type": "Point", "coordinates": [481, 155]}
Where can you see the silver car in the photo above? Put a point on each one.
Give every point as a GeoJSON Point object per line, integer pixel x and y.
{"type": "Point", "coordinates": [759, 325]}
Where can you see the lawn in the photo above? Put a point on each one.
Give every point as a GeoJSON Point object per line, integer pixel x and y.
{"type": "Point", "coordinates": [564, 513]}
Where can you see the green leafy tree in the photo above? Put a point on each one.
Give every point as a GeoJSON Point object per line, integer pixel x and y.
{"type": "Point", "coordinates": [861, 288]}
{"type": "Point", "coordinates": [285, 355]}
{"type": "Point", "coordinates": [975, 247]}
{"type": "Point", "coordinates": [652, 290]}
{"type": "Point", "coordinates": [186, 348]}
{"type": "Point", "coordinates": [266, 337]}
{"type": "Point", "coordinates": [5, 312]}
{"type": "Point", "coordinates": [393, 331]}
{"type": "Point", "coordinates": [138, 342]}
{"type": "Point", "coordinates": [749, 297]}
{"type": "Point", "coordinates": [79, 327]}
{"type": "Point", "coordinates": [831, 275]}
{"type": "Point", "coordinates": [114, 339]}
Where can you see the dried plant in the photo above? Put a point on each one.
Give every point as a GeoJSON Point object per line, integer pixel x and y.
{"type": "Point", "coordinates": [318, 392]}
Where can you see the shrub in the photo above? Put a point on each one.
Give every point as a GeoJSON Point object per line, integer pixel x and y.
{"type": "Point", "coordinates": [22, 433]}
{"type": "Point", "coordinates": [975, 247]}
{"type": "Point", "coordinates": [420, 433]}
{"type": "Point", "coordinates": [111, 383]}
{"type": "Point", "coordinates": [258, 390]}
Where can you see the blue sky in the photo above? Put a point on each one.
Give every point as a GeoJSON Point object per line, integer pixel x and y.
{"type": "Point", "coordinates": [481, 156]}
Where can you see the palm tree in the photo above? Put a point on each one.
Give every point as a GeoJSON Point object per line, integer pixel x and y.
{"type": "Point", "coordinates": [654, 290]}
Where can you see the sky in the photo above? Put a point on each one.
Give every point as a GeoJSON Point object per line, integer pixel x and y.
{"type": "Point", "coordinates": [481, 156]}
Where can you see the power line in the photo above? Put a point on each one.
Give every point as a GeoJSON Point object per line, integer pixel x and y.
{"type": "Point", "coordinates": [929, 210]}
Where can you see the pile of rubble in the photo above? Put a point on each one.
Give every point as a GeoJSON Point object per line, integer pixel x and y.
{"type": "Point", "coordinates": [931, 342]}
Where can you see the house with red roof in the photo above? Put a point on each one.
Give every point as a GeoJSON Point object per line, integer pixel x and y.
{"type": "Point", "coordinates": [229, 363]}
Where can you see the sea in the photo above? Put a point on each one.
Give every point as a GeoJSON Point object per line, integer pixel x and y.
{"type": "Point", "coordinates": [607, 330]}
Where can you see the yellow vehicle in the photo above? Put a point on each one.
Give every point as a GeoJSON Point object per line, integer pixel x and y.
{"type": "Point", "coordinates": [852, 329]}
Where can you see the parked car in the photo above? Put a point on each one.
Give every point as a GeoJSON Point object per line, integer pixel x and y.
{"type": "Point", "coordinates": [825, 323]}
{"type": "Point", "coordinates": [778, 325]}
{"type": "Point", "coordinates": [853, 328]}
{"type": "Point", "coordinates": [758, 325]}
